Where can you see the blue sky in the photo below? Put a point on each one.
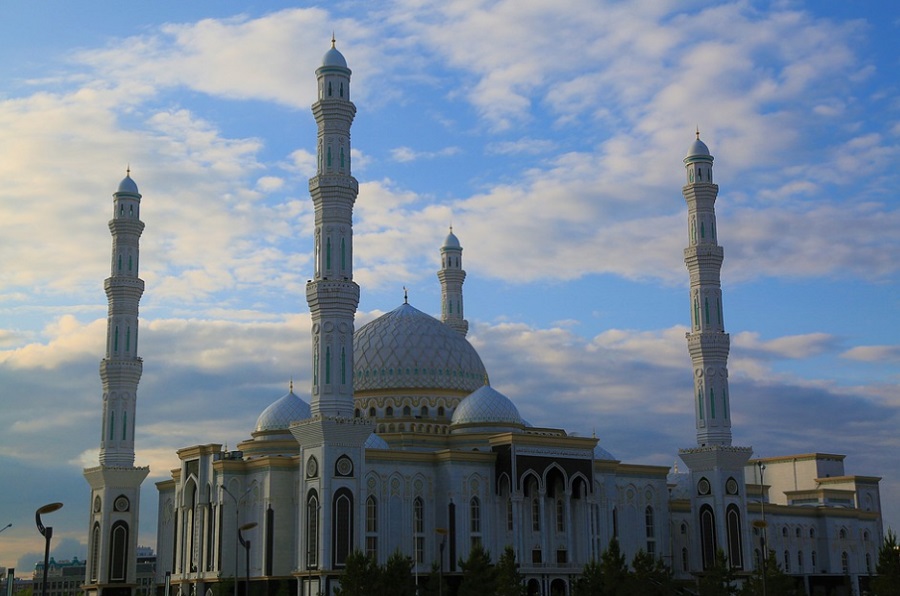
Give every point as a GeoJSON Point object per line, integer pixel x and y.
{"type": "Point", "coordinates": [550, 135]}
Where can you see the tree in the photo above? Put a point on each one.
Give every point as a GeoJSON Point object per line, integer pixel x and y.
{"type": "Point", "coordinates": [396, 577]}
{"type": "Point", "coordinates": [888, 569]}
{"type": "Point", "coordinates": [436, 585]}
{"type": "Point", "coordinates": [614, 571]}
{"type": "Point", "coordinates": [718, 579]}
{"type": "Point", "coordinates": [777, 582]}
{"type": "Point", "coordinates": [361, 574]}
{"type": "Point", "coordinates": [651, 576]}
{"type": "Point", "coordinates": [590, 582]}
{"type": "Point", "coordinates": [479, 576]}
{"type": "Point", "coordinates": [509, 580]}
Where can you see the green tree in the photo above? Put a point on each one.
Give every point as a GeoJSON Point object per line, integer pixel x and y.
{"type": "Point", "coordinates": [224, 587]}
{"type": "Point", "coordinates": [361, 574]}
{"type": "Point", "coordinates": [651, 576]}
{"type": "Point", "coordinates": [396, 577]}
{"type": "Point", "coordinates": [777, 582]}
{"type": "Point", "coordinates": [614, 571]}
{"type": "Point", "coordinates": [436, 585]}
{"type": "Point", "coordinates": [509, 580]}
{"type": "Point", "coordinates": [888, 569]}
{"type": "Point", "coordinates": [479, 575]}
{"type": "Point", "coordinates": [718, 579]}
{"type": "Point", "coordinates": [590, 582]}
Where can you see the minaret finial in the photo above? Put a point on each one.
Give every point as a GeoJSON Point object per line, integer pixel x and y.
{"type": "Point", "coordinates": [128, 170]}
{"type": "Point", "coordinates": [333, 40]}
{"type": "Point", "coordinates": [405, 295]}
{"type": "Point", "coordinates": [292, 384]}
{"type": "Point", "coordinates": [698, 132]}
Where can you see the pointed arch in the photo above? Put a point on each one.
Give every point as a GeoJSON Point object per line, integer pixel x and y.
{"type": "Point", "coordinates": [118, 552]}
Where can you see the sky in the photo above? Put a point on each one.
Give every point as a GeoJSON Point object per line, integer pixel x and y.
{"type": "Point", "coordinates": [549, 134]}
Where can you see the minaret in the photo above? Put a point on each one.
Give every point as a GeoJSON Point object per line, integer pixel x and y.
{"type": "Point", "coordinates": [332, 294]}
{"type": "Point", "coordinates": [116, 483]}
{"type": "Point", "coordinates": [707, 341]}
{"type": "Point", "coordinates": [718, 500]}
{"type": "Point", "coordinates": [452, 277]}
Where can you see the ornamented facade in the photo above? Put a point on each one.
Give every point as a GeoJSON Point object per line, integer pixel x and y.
{"type": "Point", "coordinates": [404, 445]}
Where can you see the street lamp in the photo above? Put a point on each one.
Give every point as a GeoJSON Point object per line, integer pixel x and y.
{"type": "Point", "coordinates": [762, 508]}
{"type": "Point", "coordinates": [47, 533]}
{"type": "Point", "coordinates": [443, 533]}
{"type": "Point", "coordinates": [246, 545]}
{"type": "Point", "coordinates": [5, 527]}
{"type": "Point", "coordinates": [237, 521]}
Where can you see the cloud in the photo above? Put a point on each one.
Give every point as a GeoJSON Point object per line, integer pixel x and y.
{"type": "Point", "coordinates": [887, 353]}
{"type": "Point", "coordinates": [406, 154]}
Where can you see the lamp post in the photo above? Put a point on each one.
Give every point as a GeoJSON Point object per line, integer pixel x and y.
{"type": "Point", "coordinates": [443, 534]}
{"type": "Point", "coordinates": [237, 522]}
{"type": "Point", "coordinates": [47, 533]}
{"type": "Point", "coordinates": [246, 544]}
{"type": "Point", "coordinates": [762, 508]}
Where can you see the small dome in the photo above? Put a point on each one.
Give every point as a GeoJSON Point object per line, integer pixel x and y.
{"type": "Point", "coordinates": [128, 185]}
{"type": "Point", "coordinates": [334, 58]}
{"type": "Point", "coordinates": [488, 407]}
{"type": "Point", "coordinates": [376, 442]}
{"type": "Point", "coordinates": [452, 241]}
{"type": "Point", "coordinates": [698, 149]}
{"type": "Point", "coordinates": [280, 414]}
{"type": "Point", "coordinates": [601, 453]}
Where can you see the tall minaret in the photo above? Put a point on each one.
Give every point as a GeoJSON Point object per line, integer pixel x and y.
{"type": "Point", "coordinates": [719, 499]}
{"type": "Point", "coordinates": [332, 294]}
{"type": "Point", "coordinates": [707, 342]}
{"type": "Point", "coordinates": [452, 277]}
{"type": "Point", "coordinates": [116, 483]}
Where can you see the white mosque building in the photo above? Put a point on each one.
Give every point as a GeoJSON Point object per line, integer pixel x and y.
{"type": "Point", "coordinates": [405, 445]}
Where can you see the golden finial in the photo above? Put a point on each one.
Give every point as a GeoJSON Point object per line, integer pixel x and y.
{"type": "Point", "coordinates": [332, 38]}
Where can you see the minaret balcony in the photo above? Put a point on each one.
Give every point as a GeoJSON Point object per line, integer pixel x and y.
{"type": "Point", "coordinates": [122, 225]}
{"type": "Point", "coordinates": [713, 345]}
{"type": "Point", "coordinates": [322, 182]}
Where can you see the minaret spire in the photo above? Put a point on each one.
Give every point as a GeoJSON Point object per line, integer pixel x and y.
{"type": "Point", "coordinates": [452, 277]}
{"type": "Point", "coordinates": [707, 341]}
{"type": "Point", "coordinates": [332, 294]}
{"type": "Point", "coordinates": [115, 483]}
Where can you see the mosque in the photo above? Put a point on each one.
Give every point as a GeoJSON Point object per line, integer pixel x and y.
{"type": "Point", "coordinates": [404, 444]}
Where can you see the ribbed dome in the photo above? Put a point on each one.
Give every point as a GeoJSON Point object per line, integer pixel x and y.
{"type": "Point", "coordinates": [489, 407]}
{"type": "Point", "coordinates": [698, 150]}
{"type": "Point", "coordinates": [128, 185]}
{"type": "Point", "coordinates": [408, 349]}
{"type": "Point", "coordinates": [282, 412]}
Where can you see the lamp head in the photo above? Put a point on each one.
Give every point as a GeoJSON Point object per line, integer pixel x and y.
{"type": "Point", "coordinates": [49, 508]}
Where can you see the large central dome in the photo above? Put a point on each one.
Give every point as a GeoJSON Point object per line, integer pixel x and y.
{"type": "Point", "coordinates": [408, 349]}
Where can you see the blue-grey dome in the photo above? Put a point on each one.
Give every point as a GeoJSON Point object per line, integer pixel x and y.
{"type": "Point", "coordinates": [408, 349]}
{"type": "Point", "coordinates": [698, 150]}
{"type": "Point", "coordinates": [487, 407]}
{"type": "Point", "coordinates": [334, 58]}
{"type": "Point", "coordinates": [376, 442]}
{"type": "Point", "coordinates": [128, 185]}
{"type": "Point", "coordinates": [601, 453]}
{"type": "Point", "coordinates": [452, 241]}
{"type": "Point", "coordinates": [282, 412]}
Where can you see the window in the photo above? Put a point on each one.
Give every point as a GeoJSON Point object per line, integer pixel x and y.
{"type": "Point", "coordinates": [707, 535]}
{"type": "Point", "coordinates": [787, 562]}
{"type": "Point", "coordinates": [800, 561]}
{"type": "Point", "coordinates": [407, 411]}
{"type": "Point", "coordinates": [845, 563]}
{"type": "Point", "coordinates": [424, 411]}
{"type": "Point", "coordinates": [118, 552]}
{"type": "Point", "coordinates": [312, 530]}
{"type": "Point", "coordinates": [389, 411]}
{"type": "Point", "coordinates": [509, 515]}
{"type": "Point", "coordinates": [95, 552]}
{"type": "Point", "coordinates": [735, 545]}
{"type": "Point", "coordinates": [475, 515]}
{"type": "Point", "coordinates": [342, 526]}
{"type": "Point", "coordinates": [684, 559]}
{"type": "Point", "coordinates": [371, 514]}
{"type": "Point", "coordinates": [535, 515]}
{"type": "Point", "coordinates": [560, 515]}
{"type": "Point", "coordinates": [812, 559]}
{"type": "Point", "coordinates": [418, 516]}
{"type": "Point", "coordinates": [650, 530]}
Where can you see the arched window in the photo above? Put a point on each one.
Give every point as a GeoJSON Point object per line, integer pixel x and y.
{"type": "Point", "coordinates": [95, 553]}
{"type": "Point", "coordinates": [535, 512]}
{"type": "Point", "coordinates": [343, 254]}
{"type": "Point", "coordinates": [424, 412]}
{"type": "Point", "coordinates": [112, 425]}
{"type": "Point", "coordinates": [842, 534]}
{"type": "Point", "coordinates": [800, 561]}
{"type": "Point", "coordinates": [707, 535]}
{"type": "Point", "coordinates": [329, 88]}
{"type": "Point", "coordinates": [706, 309]}
{"type": "Point", "coordinates": [475, 515]}
{"type": "Point", "coordinates": [343, 365]}
{"type": "Point", "coordinates": [787, 562]}
{"type": "Point", "coordinates": [712, 403]}
{"type": "Point", "coordinates": [371, 412]}
{"type": "Point", "coordinates": [327, 365]}
{"type": "Point", "coordinates": [845, 563]}
{"type": "Point", "coordinates": [615, 516]}
{"type": "Point", "coordinates": [419, 528]}
{"type": "Point", "coordinates": [407, 411]}
{"type": "Point", "coordinates": [684, 559]}
{"type": "Point", "coordinates": [700, 401]}
{"type": "Point", "coordinates": [118, 552]}
{"type": "Point", "coordinates": [124, 426]}
{"type": "Point", "coordinates": [649, 529]}
{"type": "Point", "coordinates": [560, 515]}
{"type": "Point", "coordinates": [868, 563]}
{"type": "Point", "coordinates": [735, 544]}
{"type": "Point", "coordinates": [120, 262]}
{"type": "Point", "coordinates": [312, 530]}
{"type": "Point", "coordinates": [389, 411]}
{"type": "Point", "coordinates": [812, 560]}
{"type": "Point", "coordinates": [342, 526]}
{"type": "Point", "coordinates": [328, 253]}
{"type": "Point", "coordinates": [128, 339]}
{"type": "Point", "coordinates": [116, 340]}
{"type": "Point", "coordinates": [372, 528]}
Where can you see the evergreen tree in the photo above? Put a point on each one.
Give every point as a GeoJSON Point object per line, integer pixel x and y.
{"type": "Point", "coordinates": [396, 577]}
{"type": "Point", "coordinates": [590, 582]}
{"type": "Point", "coordinates": [718, 579]}
{"type": "Point", "coordinates": [479, 575]}
{"type": "Point", "coordinates": [614, 571]}
{"type": "Point", "coordinates": [777, 582]}
{"type": "Point", "coordinates": [435, 584]}
{"type": "Point", "coordinates": [651, 577]}
{"type": "Point", "coordinates": [509, 580]}
{"type": "Point", "coordinates": [361, 575]}
{"type": "Point", "coordinates": [888, 569]}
